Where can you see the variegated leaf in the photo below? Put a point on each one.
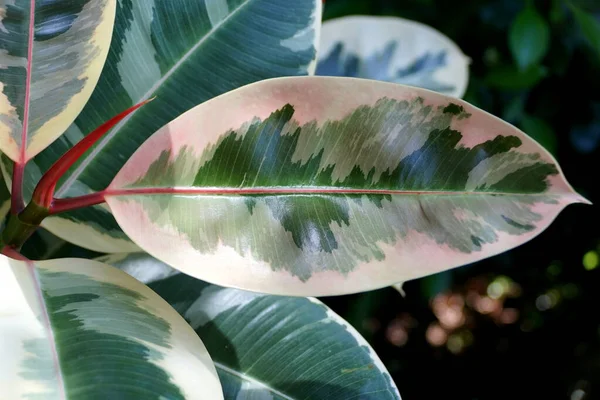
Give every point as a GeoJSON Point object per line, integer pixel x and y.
{"type": "Point", "coordinates": [78, 329]}
{"type": "Point", "coordinates": [184, 52]}
{"type": "Point", "coordinates": [269, 347]}
{"type": "Point", "coordinates": [395, 50]}
{"type": "Point", "coordinates": [321, 186]}
{"type": "Point", "coordinates": [51, 56]}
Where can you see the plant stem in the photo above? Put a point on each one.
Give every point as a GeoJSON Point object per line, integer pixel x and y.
{"type": "Point", "coordinates": [44, 191]}
{"type": "Point", "coordinates": [16, 197]}
{"type": "Point", "coordinates": [23, 222]}
{"type": "Point", "coordinates": [21, 226]}
{"type": "Point", "coordinates": [12, 253]}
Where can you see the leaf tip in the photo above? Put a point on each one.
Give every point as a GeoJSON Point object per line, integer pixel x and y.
{"type": "Point", "coordinates": [577, 198]}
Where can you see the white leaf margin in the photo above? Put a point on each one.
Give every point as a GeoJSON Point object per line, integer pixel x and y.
{"type": "Point", "coordinates": [365, 36]}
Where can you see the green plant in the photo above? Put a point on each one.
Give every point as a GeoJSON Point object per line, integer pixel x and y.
{"type": "Point", "coordinates": [254, 180]}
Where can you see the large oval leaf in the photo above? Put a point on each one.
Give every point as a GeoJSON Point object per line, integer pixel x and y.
{"type": "Point", "coordinates": [184, 52]}
{"type": "Point", "coordinates": [269, 347]}
{"type": "Point", "coordinates": [51, 56]}
{"type": "Point", "coordinates": [394, 50]}
{"type": "Point", "coordinates": [321, 186]}
{"type": "Point", "coordinates": [75, 328]}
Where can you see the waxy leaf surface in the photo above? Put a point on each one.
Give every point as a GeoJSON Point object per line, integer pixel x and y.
{"type": "Point", "coordinates": [184, 52]}
{"type": "Point", "coordinates": [79, 329]}
{"type": "Point", "coordinates": [269, 347]}
{"type": "Point", "coordinates": [393, 50]}
{"type": "Point", "coordinates": [51, 56]}
{"type": "Point", "coordinates": [322, 186]}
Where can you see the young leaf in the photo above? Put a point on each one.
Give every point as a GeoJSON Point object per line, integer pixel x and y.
{"type": "Point", "coordinates": [529, 37]}
{"type": "Point", "coordinates": [509, 77]}
{"type": "Point", "coordinates": [270, 347]}
{"type": "Point", "coordinates": [184, 52]}
{"type": "Point", "coordinates": [321, 186]}
{"type": "Point", "coordinates": [51, 58]}
{"type": "Point", "coordinates": [394, 50]}
{"type": "Point", "coordinates": [75, 328]}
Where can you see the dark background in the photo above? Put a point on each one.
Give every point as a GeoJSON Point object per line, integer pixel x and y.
{"type": "Point", "coordinates": [524, 324]}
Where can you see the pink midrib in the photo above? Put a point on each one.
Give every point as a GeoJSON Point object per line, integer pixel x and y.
{"type": "Point", "coordinates": [12, 253]}
{"type": "Point", "coordinates": [19, 167]}
{"type": "Point", "coordinates": [48, 326]}
{"type": "Point", "coordinates": [265, 190]}
{"type": "Point", "coordinates": [23, 149]}
{"type": "Point", "coordinates": [289, 190]}
{"type": "Point", "coordinates": [17, 185]}
{"type": "Point", "coordinates": [72, 203]}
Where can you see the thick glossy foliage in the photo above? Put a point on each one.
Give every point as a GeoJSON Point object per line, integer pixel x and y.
{"type": "Point", "coordinates": [51, 56]}
{"type": "Point", "coordinates": [269, 347]}
{"type": "Point", "coordinates": [80, 329]}
{"type": "Point", "coordinates": [320, 186]}
{"type": "Point", "coordinates": [184, 52]}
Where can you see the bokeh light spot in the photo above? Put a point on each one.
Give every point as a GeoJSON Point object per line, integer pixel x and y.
{"type": "Point", "coordinates": [591, 260]}
{"type": "Point", "coordinates": [436, 335]}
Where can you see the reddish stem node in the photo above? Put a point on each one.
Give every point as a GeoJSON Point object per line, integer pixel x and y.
{"type": "Point", "coordinates": [14, 254]}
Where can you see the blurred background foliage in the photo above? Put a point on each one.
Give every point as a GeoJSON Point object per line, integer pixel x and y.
{"type": "Point", "coordinates": [524, 324]}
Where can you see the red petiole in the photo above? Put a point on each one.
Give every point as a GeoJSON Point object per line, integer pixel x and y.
{"type": "Point", "coordinates": [43, 194]}
{"type": "Point", "coordinates": [22, 222]}
{"type": "Point", "coordinates": [72, 203]}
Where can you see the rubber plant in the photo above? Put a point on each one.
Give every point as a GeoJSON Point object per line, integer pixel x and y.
{"type": "Point", "coordinates": [224, 183]}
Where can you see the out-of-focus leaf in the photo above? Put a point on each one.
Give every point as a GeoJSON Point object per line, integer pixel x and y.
{"type": "Point", "coordinates": [79, 329]}
{"type": "Point", "coordinates": [336, 9]}
{"type": "Point", "coordinates": [541, 131]}
{"type": "Point", "coordinates": [508, 77]}
{"type": "Point", "coordinates": [393, 50]}
{"type": "Point", "coordinates": [432, 285]}
{"type": "Point", "coordinates": [529, 37]}
{"type": "Point", "coordinates": [184, 52]}
{"type": "Point", "coordinates": [586, 138]}
{"type": "Point", "coordinates": [328, 185]}
{"type": "Point", "coordinates": [269, 347]}
{"type": "Point", "coordinates": [557, 11]}
{"type": "Point", "coordinates": [590, 26]}
{"type": "Point", "coordinates": [513, 111]}
{"type": "Point", "coordinates": [51, 56]}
